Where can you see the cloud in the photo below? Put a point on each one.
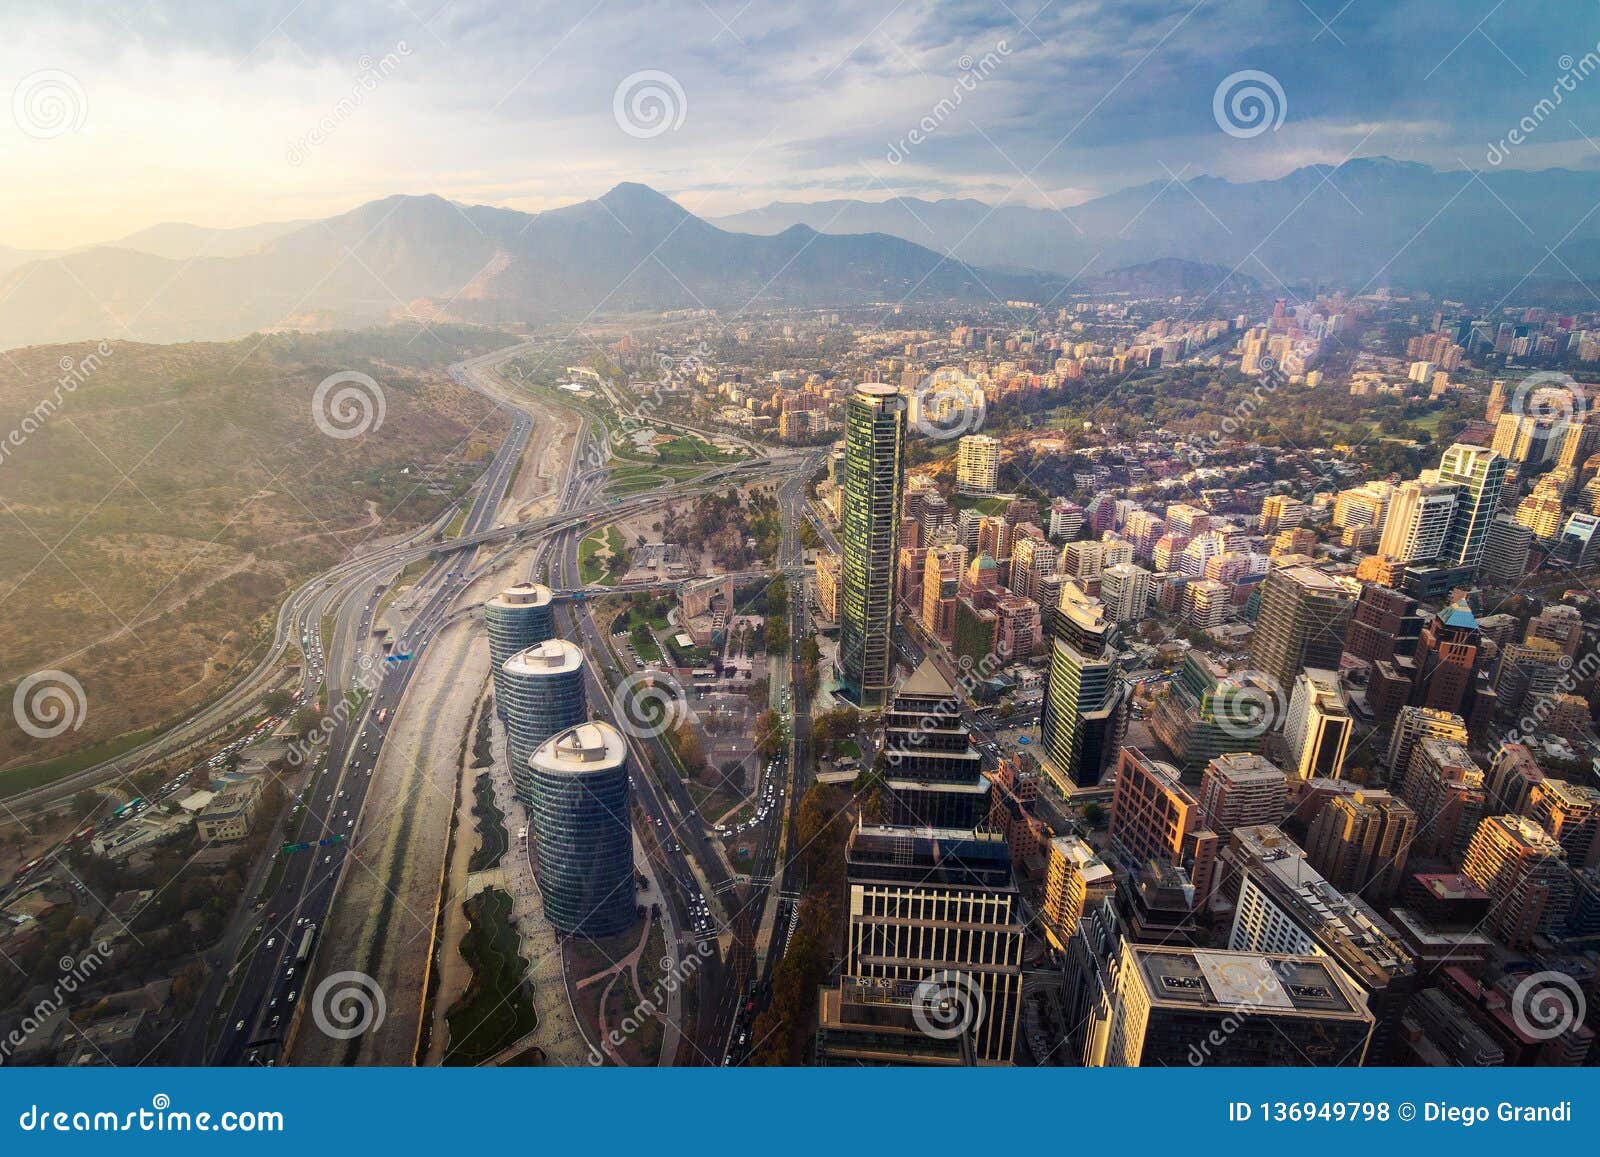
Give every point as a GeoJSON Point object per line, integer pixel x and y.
{"type": "Point", "coordinates": [195, 108]}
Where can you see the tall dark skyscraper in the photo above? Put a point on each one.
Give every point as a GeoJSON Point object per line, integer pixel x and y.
{"type": "Point", "coordinates": [1083, 715]}
{"type": "Point", "coordinates": [874, 470]}
{"type": "Point", "coordinates": [1302, 623]}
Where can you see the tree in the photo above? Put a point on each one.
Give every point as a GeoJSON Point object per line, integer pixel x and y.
{"type": "Point", "coordinates": [85, 802]}
{"type": "Point", "coordinates": [277, 702]}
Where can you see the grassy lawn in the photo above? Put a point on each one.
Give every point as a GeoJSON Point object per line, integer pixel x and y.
{"type": "Point", "coordinates": [493, 839]}
{"type": "Point", "coordinates": [593, 566]}
{"type": "Point", "coordinates": [497, 1008]}
{"type": "Point", "coordinates": [982, 505]}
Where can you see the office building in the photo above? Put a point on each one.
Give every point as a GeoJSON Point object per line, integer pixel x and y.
{"type": "Point", "coordinates": [583, 830]}
{"type": "Point", "coordinates": [1240, 789]}
{"type": "Point", "coordinates": [965, 938]}
{"type": "Point", "coordinates": [1479, 475]}
{"type": "Point", "coordinates": [1188, 1007]}
{"type": "Point", "coordinates": [1418, 522]}
{"type": "Point", "coordinates": [1154, 817]}
{"type": "Point", "coordinates": [1207, 712]}
{"type": "Point", "coordinates": [1301, 623]}
{"type": "Point", "coordinates": [934, 776]}
{"type": "Point", "coordinates": [1507, 547]}
{"type": "Point", "coordinates": [1317, 730]}
{"type": "Point", "coordinates": [1412, 725]}
{"type": "Point", "coordinates": [1084, 713]}
{"type": "Point", "coordinates": [517, 618]}
{"type": "Point", "coordinates": [1284, 906]}
{"type": "Point", "coordinates": [1076, 879]}
{"type": "Point", "coordinates": [542, 693]}
{"type": "Point", "coordinates": [875, 436]}
{"type": "Point", "coordinates": [1570, 814]}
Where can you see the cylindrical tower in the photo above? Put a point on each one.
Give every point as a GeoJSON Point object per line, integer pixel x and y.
{"type": "Point", "coordinates": [584, 831]}
{"type": "Point", "coordinates": [540, 693]}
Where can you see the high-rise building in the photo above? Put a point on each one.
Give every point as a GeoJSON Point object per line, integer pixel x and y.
{"type": "Point", "coordinates": [583, 830]}
{"type": "Point", "coordinates": [1187, 1007]}
{"type": "Point", "coordinates": [875, 436]}
{"type": "Point", "coordinates": [1525, 872]}
{"type": "Point", "coordinates": [1445, 787]}
{"type": "Point", "coordinates": [1507, 547]}
{"type": "Point", "coordinates": [1362, 841]}
{"type": "Point", "coordinates": [1317, 729]}
{"type": "Point", "coordinates": [964, 945]}
{"type": "Point", "coordinates": [935, 775]}
{"type": "Point", "coordinates": [1301, 622]}
{"type": "Point", "coordinates": [1383, 625]}
{"type": "Point", "coordinates": [515, 619]}
{"type": "Point", "coordinates": [1075, 880]}
{"type": "Point", "coordinates": [1480, 474]}
{"type": "Point", "coordinates": [1419, 520]}
{"type": "Point", "coordinates": [1083, 716]}
{"type": "Point", "coordinates": [1239, 789]}
{"type": "Point", "coordinates": [1207, 712]}
{"type": "Point", "coordinates": [1414, 724]}
{"type": "Point", "coordinates": [1570, 813]}
{"type": "Point", "coordinates": [1283, 905]}
{"type": "Point", "coordinates": [542, 692]}
{"type": "Point", "coordinates": [1155, 817]}
{"type": "Point", "coordinates": [978, 464]}
{"type": "Point", "coordinates": [1125, 592]}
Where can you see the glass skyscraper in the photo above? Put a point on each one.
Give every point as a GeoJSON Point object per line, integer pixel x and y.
{"type": "Point", "coordinates": [516, 619]}
{"type": "Point", "coordinates": [874, 468]}
{"type": "Point", "coordinates": [541, 693]}
{"type": "Point", "coordinates": [1481, 473]}
{"type": "Point", "coordinates": [583, 830]}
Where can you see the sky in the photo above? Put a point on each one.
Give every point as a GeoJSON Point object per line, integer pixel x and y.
{"type": "Point", "coordinates": [125, 113]}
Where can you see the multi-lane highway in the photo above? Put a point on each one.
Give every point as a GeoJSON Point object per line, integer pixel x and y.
{"type": "Point", "coordinates": [251, 1005]}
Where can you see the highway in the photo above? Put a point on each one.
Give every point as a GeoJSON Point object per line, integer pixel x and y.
{"type": "Point", "coordinates": [250, 1005]}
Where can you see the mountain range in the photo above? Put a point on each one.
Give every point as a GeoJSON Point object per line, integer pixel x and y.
{"type": "Point", "coordinates": [424, 256]}
{"type": "Point", "coordinates": [1363, 224]}
{"type": "Point", "coordinates": [1360, 225]}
